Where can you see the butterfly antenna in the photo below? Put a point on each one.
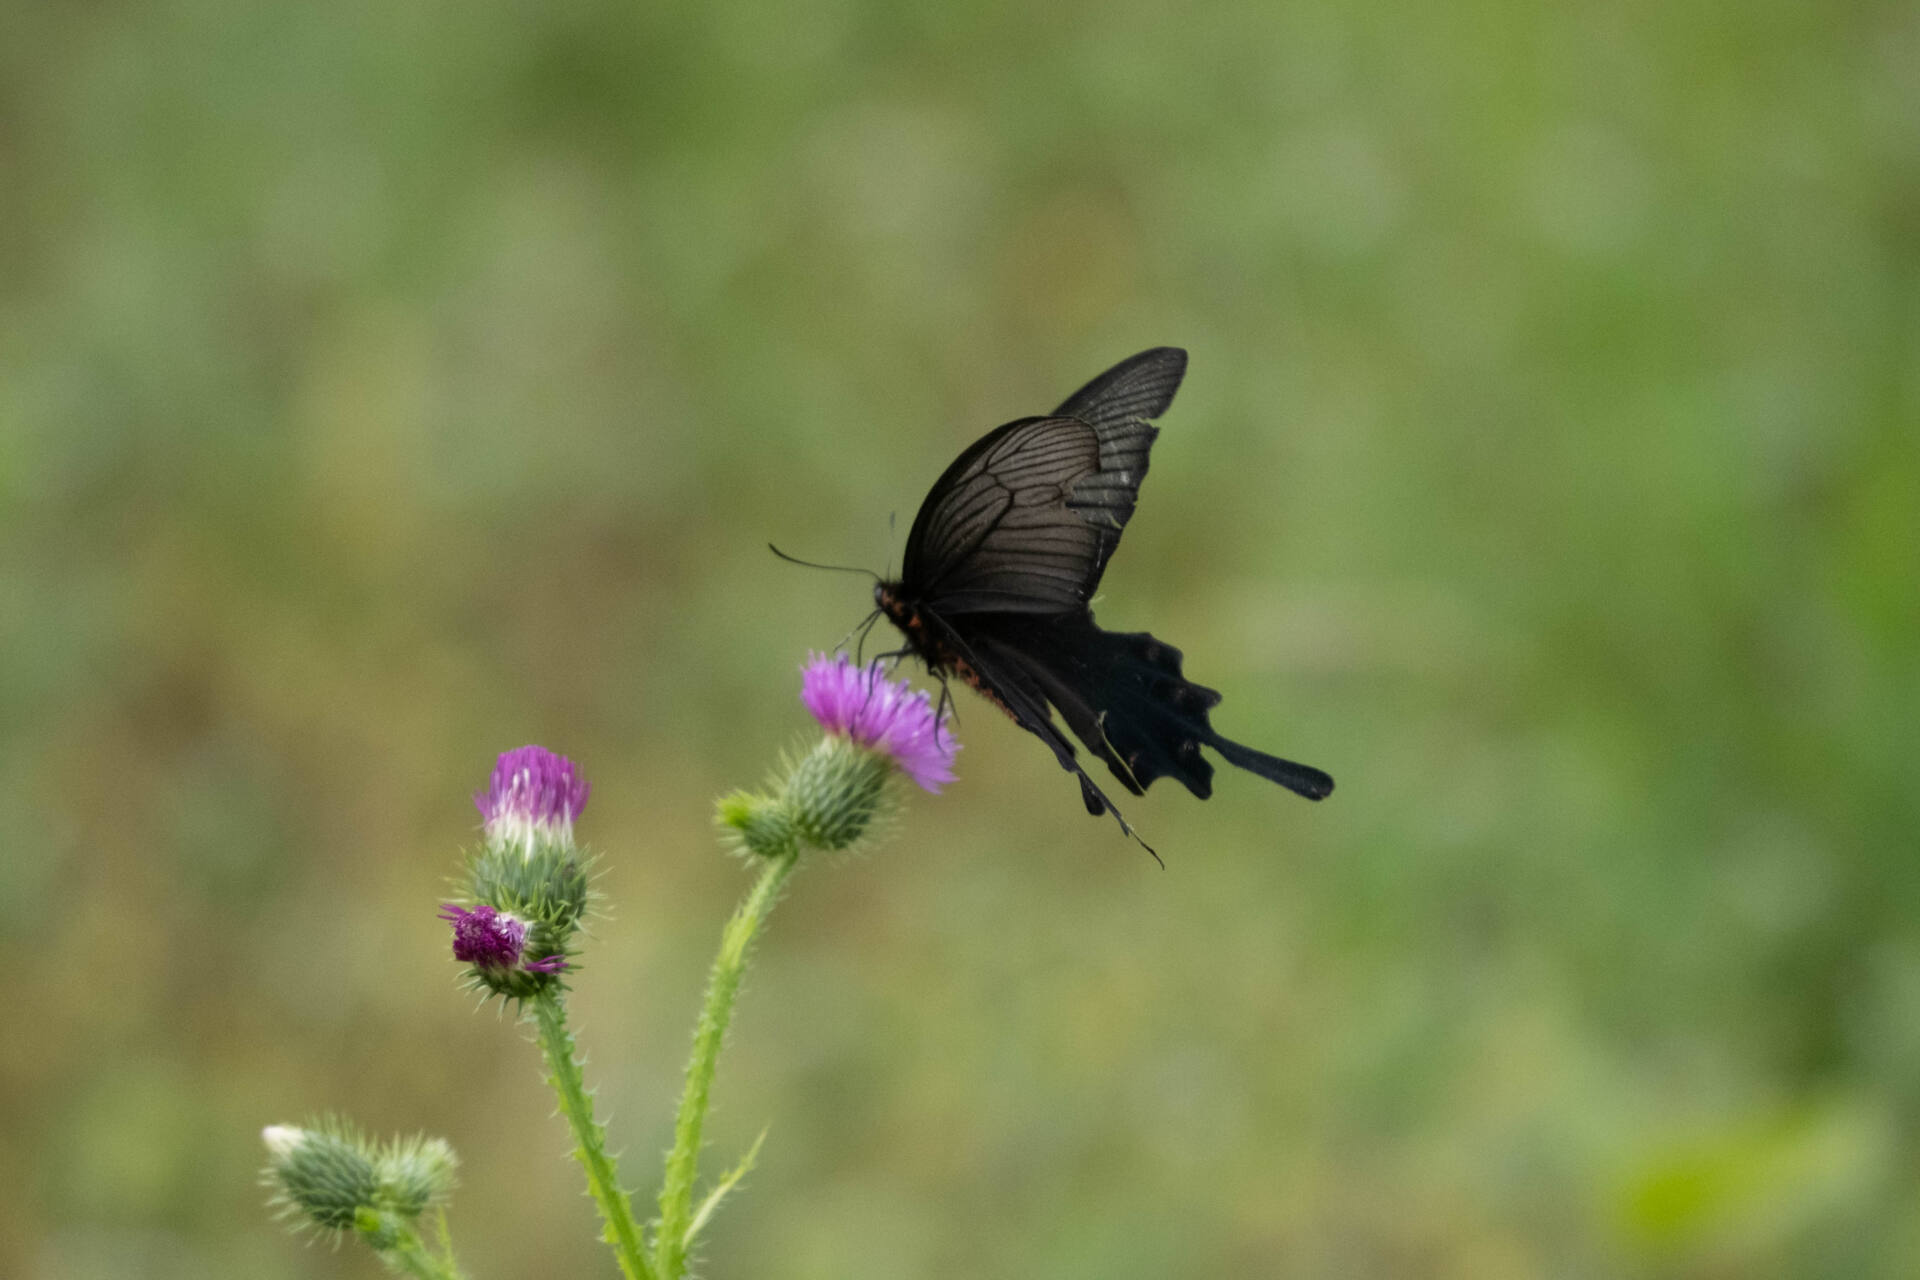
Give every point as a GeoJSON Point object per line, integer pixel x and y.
{"type": "Point", "coordinates": [836, 568]}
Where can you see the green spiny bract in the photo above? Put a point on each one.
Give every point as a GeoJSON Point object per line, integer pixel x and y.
{"type": "Point", "coordinates": [759, 825]}
{"type": "Point", "coordinates": [331, 1178]}
{"type": "Point", "coordinates": [835, 791]}
{"type": "Point", "coordinates": [547, 887]}
{"type": "Point", "coordinates": [321, 1175]}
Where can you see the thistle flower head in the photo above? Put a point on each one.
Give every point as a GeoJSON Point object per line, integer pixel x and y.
{"type": "Point", "coordinates": [321, 1175]}
{"type": "Point", "coordinates": [885, 716]}
{"type": "Point", "coordinates": [534, 796]}
{"type": "Point", "coordinates": [494, 942]}
{"type": "Point", "coordinates": [528, 884]}
{"type": "Point", "coordinates": [830, 797]}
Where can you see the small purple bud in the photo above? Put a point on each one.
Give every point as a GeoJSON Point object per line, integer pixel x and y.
{"type": "Point", "coordinates": [492, 941]}
{"type": "Point", "coordinates": [534, 794]}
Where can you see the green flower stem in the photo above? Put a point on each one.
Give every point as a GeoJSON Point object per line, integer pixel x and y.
{"type": "Point", "coordinates": [603, 1179]}
{"type": "Point", "coordinates": [409, 1257]}
{"type": "Point", "coordinates": [676, 1192]}
{"type": "Point", "coordinates": [395, 1242]}
{"type": "Point", "coordinates": [445, 1234]}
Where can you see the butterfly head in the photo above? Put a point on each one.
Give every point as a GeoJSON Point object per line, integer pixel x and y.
{"type": "Point", "coordinates": [906, 614]}
{"type": "Point", "coordinates": [900, 611]}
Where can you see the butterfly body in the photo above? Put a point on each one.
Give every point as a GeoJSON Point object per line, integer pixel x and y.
{"type": "Point", "coordinates": [1002, 562]}
{"type": "Point", "coordinates": [941, 655]}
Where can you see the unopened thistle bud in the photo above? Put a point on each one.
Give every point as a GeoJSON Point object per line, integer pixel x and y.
{"type": "Point", "coordinates": [416, 1174]}
{"type": "Point", "coordinates": [761, 825]}
{"type": "Point", "coordinates": [321, 1176]}
{"type": "Point", "coordinates": [329, 1178]}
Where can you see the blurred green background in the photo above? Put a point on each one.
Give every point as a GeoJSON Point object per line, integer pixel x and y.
{"type": "Point", "coordinates": [383, 386]}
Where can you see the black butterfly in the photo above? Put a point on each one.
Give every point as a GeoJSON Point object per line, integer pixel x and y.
{"type": "Point", "coordinates": [1003, 560]}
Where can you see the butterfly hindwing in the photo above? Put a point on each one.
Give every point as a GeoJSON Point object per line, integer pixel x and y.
{"type": "Point", "coordinates": [1123, 695]}
{"type": "Point", "coordinates": [1009, 679]}
{"type": "Point", "coordinates": [1120, 694]}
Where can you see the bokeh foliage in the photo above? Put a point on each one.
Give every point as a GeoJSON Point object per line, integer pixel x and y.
{"type": "Point", "coordinates": [383, 386]}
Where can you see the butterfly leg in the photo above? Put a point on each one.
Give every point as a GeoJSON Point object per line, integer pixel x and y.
{"type": "Point", "coordinates": [860, 629]}
{"type": "Point", "coordinates": [895, 657]}
{"type": "Point", "coordinates": [946, 706]}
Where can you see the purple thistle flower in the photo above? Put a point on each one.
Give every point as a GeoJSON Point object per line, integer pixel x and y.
{"type": "Point", "coordinates": [533, 793]}
{"type": "Point", "coordinates": [887, 716]}
{"type": "Point", "coordinates": [493, 941]}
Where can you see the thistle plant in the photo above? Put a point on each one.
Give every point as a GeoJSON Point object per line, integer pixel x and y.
{"type": "Point", "coordinates": [518, 925]}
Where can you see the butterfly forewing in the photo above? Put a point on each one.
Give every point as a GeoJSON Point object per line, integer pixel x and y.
{"type": "Point", "coordinates": [997, 533]}
{"type": "Point", "coordinates": [1139, 387]}
{"type": "Point", "coordinates": [1118, 405]}
{"type": "Point", "coordinates": [1025, 520]}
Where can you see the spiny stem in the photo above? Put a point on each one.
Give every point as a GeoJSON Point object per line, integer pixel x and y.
{"type": "Point", "coordinates": [603, 1179]}
{"type": "Point", "coordinates": [676, 1192]}
{"type": "Point", "coordinates": [408, 1256]}
{"type": "Point", "coordinates": [448, 1262]}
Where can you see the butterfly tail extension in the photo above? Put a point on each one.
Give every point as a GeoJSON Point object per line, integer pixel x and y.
{"type": "Point", "coordinates": [1097, 804]}
{"type": "Point", "coordinates": [1301, 779]}
{"type": "Point", "coordinates": [1029, 710]}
